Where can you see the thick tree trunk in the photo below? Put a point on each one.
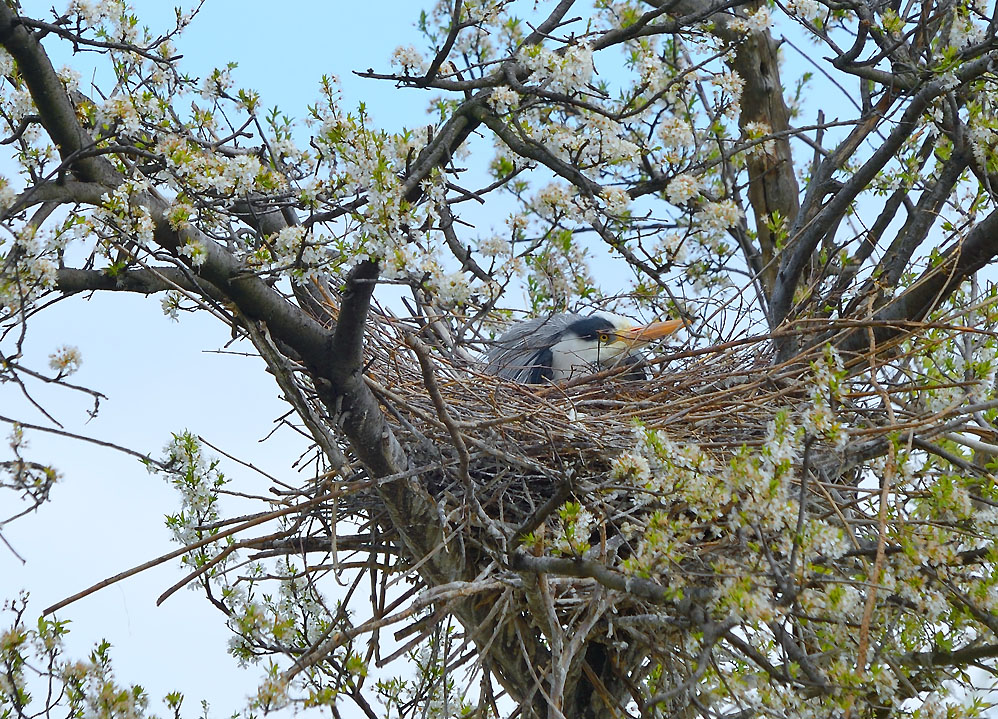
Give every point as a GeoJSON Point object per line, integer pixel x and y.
{"type": "Point", "coordinates": [773, 190]}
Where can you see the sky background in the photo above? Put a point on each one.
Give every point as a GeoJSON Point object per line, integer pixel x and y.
{"type": "Point", "coordinates": [162, 377]}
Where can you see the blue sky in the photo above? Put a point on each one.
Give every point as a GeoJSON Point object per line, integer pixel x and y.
{"type": "Point", "coordinates": [107, 512]}
{"type": "Point", "coordinates": [162, 377]}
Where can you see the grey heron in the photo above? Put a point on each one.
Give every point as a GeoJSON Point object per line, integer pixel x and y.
{"type": "Point", "coordinates": [555, 348]}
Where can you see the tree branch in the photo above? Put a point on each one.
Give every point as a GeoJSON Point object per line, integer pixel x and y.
{"type": "Point", "coordinates": [71, 281]}
{"type": "Point", "coordinates": [937, 283]}
{"type": "Point", "coordinates": [56, 110]}
{"type": "Point", "coordinates": [810, 228]}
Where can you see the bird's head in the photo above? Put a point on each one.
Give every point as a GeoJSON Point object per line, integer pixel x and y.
{"type": "Point", "coordinates": [556, 348]}
{"type": "Point", "coordinates": [621, 335]}
{"type": "Point", "coordinates": [603, 339]}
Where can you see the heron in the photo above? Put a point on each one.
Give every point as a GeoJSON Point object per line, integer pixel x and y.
{"type": "Point", "coordinates": [555, 348]}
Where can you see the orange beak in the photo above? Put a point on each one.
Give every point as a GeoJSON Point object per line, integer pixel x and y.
{"type": "Point", "coordinates": [647, 333]}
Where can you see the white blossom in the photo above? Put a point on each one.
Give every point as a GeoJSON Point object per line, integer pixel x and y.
{"type": "Point", "coordinates": [717, 217]}
{"type": "Point", "coordinates": [682, 188]}
{"type": "Point", "coordinates": [65, 360]}
{"type": "Point", "coordinates": [493, 246]}
{"type": "Point", "coordinates": [631, 465]}
{"type": "Point", "coordinates": [409, 59]}
{"type": "Point", "coordinates": [567, 71]}
{"type": "Point", "coordinates": [617, 200]}
{"type": "Point", "coordinates": [810, 10]}
{"type": "Point", "coordinates": [196, 249]}
{"type": "Point", "coordinates": [677, 137]}
{"type": "Point", "coordinates": [217, 83]}
{"type": "Point", "coordinates": [504, 99]}
{"type": "Point", "coordinates": [452, 288]}
{"type": "Point", "coordinates": [6, 63]}
{"type": "Point", "coordinates": [964, 32]}
{"type": "Point", "coordinates": [170, 304]}
{"type": "Point", "coordinates": [8, 195]}
{"type": "Point", "coordinates": [92, 12]}
{"type": "Point", "coordinates": [758, 21]}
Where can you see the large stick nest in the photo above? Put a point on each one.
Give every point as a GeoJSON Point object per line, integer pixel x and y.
{"type": "Point", "coordinates": [524, 441]}
{"type": "Point", "coordinates": [501, 461]}
{"type": "Point", "coordinates": [522, 451]}
{"type": "Point", "coordinates": [528, 448]}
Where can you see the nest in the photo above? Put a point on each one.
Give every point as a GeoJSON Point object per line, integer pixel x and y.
{"type": "Point", "coordinates": [502, 462]}
{"type": "Point", "coordinates": [518, 446]}
{"type": "Point", "coordinates": [519, 452]}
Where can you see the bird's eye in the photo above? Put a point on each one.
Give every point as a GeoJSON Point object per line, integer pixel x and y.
{"type": "Point", "coordinates": [604, 337]}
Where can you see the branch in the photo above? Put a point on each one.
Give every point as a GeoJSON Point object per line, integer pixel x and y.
{"type": "Point", "coordinates": [283, 371]}
{"type": "Point", "coordinates": [634, 586]}
{"type": "Point", "coordinates": [444, 593]}
{"type": "Point", "coordinates": [144, 458]}
{"type": "Point", "coordinates": [324, 544]}
{"type": "Point", "coordinates": [930, 204]}
{"type": "Point", "coordinates": [67, 191]}
{"type": "Point", "coordinates": [810, 228]}
{"type": "Point", "coordinates": [78, 39]}
{"type": "Point", "coordinates": [430, 382]}
{"type": "Point", "coordinates": [71, 281]}
{"type": "Point", "coordinates": [937, 283]}
{"type": "Point", "coordinates": [295, 509]}
{"type": "Point", "coordinates": [876, 231]}
{"type": "Point", "coordinates": [56, 110]}
{"type": "Point", "coordinates": [535, 151]}
{"type": "Point", "coordinates": [942, 658]}
{"type": "Point", "coordinates": [772, 190]}
{"type": "Point", "coordinates": [348, 338]}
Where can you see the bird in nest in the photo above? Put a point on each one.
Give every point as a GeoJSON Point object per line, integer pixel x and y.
{"type": "Point", "coordinates": [555, 348]}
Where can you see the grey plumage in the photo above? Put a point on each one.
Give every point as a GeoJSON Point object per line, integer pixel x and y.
{"type": "Point", "coordinates": [515, 355]}
{"type": "Point", "coordinates": [555, 348]}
